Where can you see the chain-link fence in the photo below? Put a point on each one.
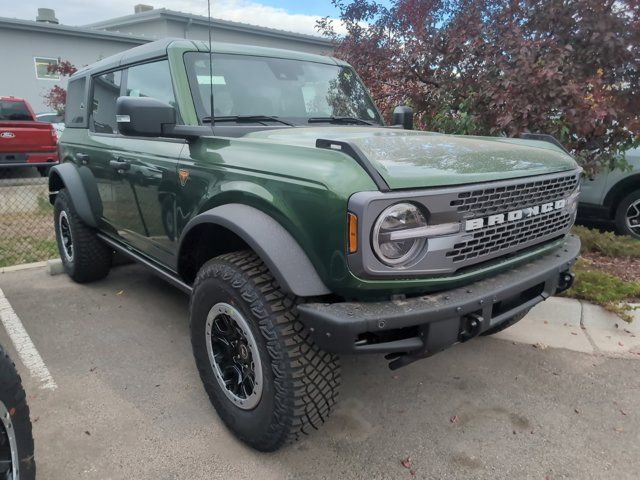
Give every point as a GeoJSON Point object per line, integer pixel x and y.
{"type": "Point", "coordinates": [26, 218]}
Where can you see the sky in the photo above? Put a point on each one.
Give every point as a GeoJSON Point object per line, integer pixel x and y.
{"type": "Point", "coordinates": [293, 15]}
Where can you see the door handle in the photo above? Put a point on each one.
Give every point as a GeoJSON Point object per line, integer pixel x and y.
{"type": "Point", "coordinates": [120, 165]}
{"type": "Point", "coordinates": [83, 158]}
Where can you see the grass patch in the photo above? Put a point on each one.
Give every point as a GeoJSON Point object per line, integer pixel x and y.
{"type": "Point", "coordinates": [604, 288]}
{"type": "Point", "coordinates": [607, 243]}
{"type": "Point", "coordinates": [26, 249]}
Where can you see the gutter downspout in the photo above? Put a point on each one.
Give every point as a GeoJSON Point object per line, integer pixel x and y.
{"type": "Point", "coordinates": [187, 27]}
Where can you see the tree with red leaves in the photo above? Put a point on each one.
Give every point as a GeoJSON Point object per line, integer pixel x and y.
{"type": "Point", "coordinates": [569, 68]}
{"type": "Point", "coordinates": [56, 97]}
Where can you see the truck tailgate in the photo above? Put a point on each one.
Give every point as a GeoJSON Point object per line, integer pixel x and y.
{"type": "Point", "coordinates": [25, 137]}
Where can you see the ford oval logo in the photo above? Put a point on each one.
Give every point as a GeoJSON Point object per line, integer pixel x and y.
{"type": "Point", "coordinates": [7, 134]}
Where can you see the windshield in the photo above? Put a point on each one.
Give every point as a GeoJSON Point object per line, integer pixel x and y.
{"type": "Point", "coordinates": [14, 111]}
{"type": "Point", "coordinates": [293, 90]}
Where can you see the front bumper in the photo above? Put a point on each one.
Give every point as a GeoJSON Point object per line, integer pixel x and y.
{"type": "Point", "coordinates": [421, 326]}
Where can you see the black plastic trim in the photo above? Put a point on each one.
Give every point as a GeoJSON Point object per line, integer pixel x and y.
{"type": "Point", "coordinates": [354, 152]}
{"type": "Point", "coordinates": [283, 255]}
{"type": "Point", "coordinates": [70, 177]}
{"type": "Point", "coordinates": [146, 262]}
{"type": "Point", "coordinates": [440, 316]}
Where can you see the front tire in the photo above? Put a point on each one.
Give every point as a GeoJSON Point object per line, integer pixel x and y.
{"type": "Point", "coordinates": [16, 439]}
{"type": "Point", "coordinates": [628, 215]}
{"type": "Point", "coordinates": [265, 377]}
{"type": "Point", "coordinates": [85, 257]}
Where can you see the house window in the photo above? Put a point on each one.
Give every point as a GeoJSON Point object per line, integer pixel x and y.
{"type": "Point", "coordinates": [42, 68]}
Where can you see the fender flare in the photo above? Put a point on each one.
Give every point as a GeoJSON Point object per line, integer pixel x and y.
{"type": "Point", "coordinates": [77, 181]}
{"type": "Point", "coordinates": [282, 254]}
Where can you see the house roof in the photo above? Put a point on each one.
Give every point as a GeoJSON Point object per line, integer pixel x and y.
{"type": "Point", "coordinates": [163, 13]}
{"type": "Point", "coordinates": [32, 26]}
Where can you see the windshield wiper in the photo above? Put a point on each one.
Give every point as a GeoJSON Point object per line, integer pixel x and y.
{"type": "Point", "coordinates": [246, 119]}
{"type": "Point", "coordinates": [334, 119]}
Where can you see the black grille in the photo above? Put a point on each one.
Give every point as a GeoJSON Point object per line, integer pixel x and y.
{"type": "Point", "coordinates": [510, 236]}
{"type": "Point", "coordinates": [525, 194]}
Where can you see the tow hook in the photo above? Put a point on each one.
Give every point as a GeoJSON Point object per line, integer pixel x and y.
{"type": "Point", "coordinates": [471, 325]}
{"type": "Point", "coordinates": [565, 281]}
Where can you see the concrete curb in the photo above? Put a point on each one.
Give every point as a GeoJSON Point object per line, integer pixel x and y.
{"type": "Point", "coordinates": [579, 326]}
{"type": "Point", "coordinates": [24, 266]}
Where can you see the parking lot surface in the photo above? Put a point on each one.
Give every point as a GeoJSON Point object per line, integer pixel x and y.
{"type": "Point", "coordinates": [129, 403]}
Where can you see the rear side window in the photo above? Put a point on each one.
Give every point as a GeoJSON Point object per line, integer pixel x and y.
{"type": "Point", "coordinates": [16, 111]}
{"type": "Point", "coordinates": [151, 80]}
{"type": "Point", "coordinates": [106, 90]}
{"type": "Point", "coordinates": [75, 111]}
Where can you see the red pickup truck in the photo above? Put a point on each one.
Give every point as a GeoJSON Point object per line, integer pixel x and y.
{"type": "Point", "coordinates": [25, 142]}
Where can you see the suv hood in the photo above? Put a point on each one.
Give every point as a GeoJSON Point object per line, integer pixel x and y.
{"type": "Point", "coordinates": [413, 159]}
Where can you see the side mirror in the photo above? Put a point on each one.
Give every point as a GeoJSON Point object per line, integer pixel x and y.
{"type": "Point", "coordinates": [403, 115]}
{"type": "Point", "coordinates": [144, 116]}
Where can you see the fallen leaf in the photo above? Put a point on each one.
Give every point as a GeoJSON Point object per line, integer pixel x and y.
{"type": "Point", "coordinates": [35, 419]}
{"type": "Point", "coordinates": [621, 344]}
{"type": "Point", "coordinates": [454, 419]}
{"type": "Point", "coordinates": [619, 429]}
{"type": "Point", "coordinates": [120, 292]}
{"type": "Point", "coordinates": [93, 369]}
{"type": "Point", "coordinates": [407, 463]}
{"type": "Point", "coordinates": [574, 333]}
{"type": "Point", "coordinates": [576, 410]}
{"type": "Point", "coordinates": [540, 346]}
{"type": "Point", "coordinates": [623, 412]}
{"type": "Point", "coordinates": [86, 432]}
{"type": "Point", "coordinates": [546, 323]}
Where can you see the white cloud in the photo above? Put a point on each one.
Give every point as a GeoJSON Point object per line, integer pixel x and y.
{"type": "Point", "coordinates": [82, 12]}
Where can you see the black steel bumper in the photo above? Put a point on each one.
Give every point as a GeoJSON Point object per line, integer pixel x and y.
{"type": "Point", "coordinates": [418, 327]}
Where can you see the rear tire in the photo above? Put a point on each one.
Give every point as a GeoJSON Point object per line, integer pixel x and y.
{"type": "Point", "coordinates": [85, 257]}
{"type": "Point", "coordinates": [628, 215]}
{"type": "Point", "coordinates": [15, 427]}
{"type": "Point", "coordinates": [506, 324]}
{"type": "Point", "coordinates": [291, 384]}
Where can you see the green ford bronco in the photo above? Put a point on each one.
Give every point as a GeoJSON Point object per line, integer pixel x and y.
{"type": "Point", "coordinates": [265, 184]}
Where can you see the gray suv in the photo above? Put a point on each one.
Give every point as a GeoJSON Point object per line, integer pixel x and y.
{"type": "Point", "coordinates": [614, 197]}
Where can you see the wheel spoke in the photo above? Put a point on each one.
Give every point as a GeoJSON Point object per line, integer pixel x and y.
{"type": "Point", "coordinates": [234, 356]}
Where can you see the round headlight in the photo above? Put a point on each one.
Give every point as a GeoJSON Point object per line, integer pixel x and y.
{"type": "Point", "coordinates": [395, 252]}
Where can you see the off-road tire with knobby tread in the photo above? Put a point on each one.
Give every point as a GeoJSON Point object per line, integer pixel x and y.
{"type": "Point", "coordinates": [300, 381]}
{"type": "Point", "coordinates": [14, 398]}
{"type": "Point", "coordinates": [91, 256]}
{"type": "Point", "coordinates": [506, 324]}
{"type": "Point", "coordinates": [621, 214]}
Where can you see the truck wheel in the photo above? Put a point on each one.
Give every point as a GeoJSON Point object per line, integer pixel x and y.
{"type": "Point", "coordinates": [267, 380]}
{"type": "Point", "coordinates": [16, 440]}
{"type": "Point", "coordinates": [506, 324]}
{"type": "Point", "coordinates": [628, 215]}
{"type": "Point", "coordinates": [84, 256]}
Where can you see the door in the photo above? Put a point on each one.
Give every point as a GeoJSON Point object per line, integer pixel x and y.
{"type": "Point", "coordinates": [148, 171]}
{"type": "Point", "coordinates": [101, 153]}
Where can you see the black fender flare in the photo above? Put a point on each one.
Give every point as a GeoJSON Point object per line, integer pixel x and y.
{"type": "Point", "coordinates": [282, 254]}
{"type": "Point", "coordinates": [80, 184]}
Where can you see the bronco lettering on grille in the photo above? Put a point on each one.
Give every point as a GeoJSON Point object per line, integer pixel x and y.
{"type": "Point", "coordinates": [514, 215]}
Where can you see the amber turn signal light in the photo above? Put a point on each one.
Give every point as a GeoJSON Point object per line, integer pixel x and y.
{"type": "Point", "coordinates": [353, 232]}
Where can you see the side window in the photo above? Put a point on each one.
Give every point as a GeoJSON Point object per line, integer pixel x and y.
{"type": "Point", "coordinates": [75, 110]}
{"type": "Point", "coordinates": [151, 80]}
{"type": "Point", "coordinates": [106, 90]}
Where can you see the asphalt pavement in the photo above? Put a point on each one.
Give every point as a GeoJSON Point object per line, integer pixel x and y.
{"type": "Point", "coordinates": [128, 403]}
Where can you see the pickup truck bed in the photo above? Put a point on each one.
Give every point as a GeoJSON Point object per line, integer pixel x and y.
{"type": "Point", "coordinates": [25, 142]}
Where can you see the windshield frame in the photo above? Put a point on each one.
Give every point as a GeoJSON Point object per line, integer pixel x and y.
{"type": "Point", "coordinates": [297, 121]}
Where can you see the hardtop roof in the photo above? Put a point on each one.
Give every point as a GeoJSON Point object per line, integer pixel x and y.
{"type": "Point", "coordinates": [160, 48]}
